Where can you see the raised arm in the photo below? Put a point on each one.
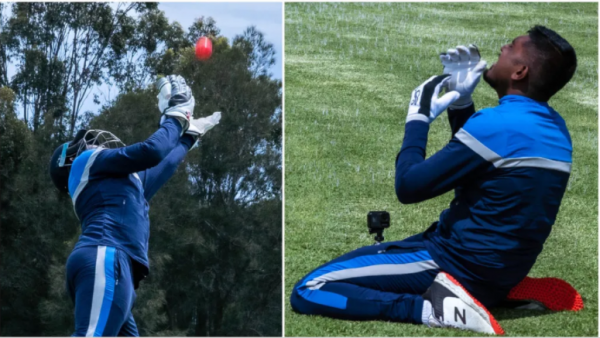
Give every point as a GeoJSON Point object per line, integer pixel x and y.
{"type": "Point", "coordinates": [465, 66]}
{"type": "Point", "coordinates": [459, 116]}
{"type": "Point", "coordinates": [139, 156]}
{"type": "Point", "coordinates": [154, 178]}
{"type": "Point", "coordinates": [418, 179]}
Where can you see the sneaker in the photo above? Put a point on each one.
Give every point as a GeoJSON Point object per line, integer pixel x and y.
{"type": "Point", "coordinates": [546, 293]}
{"type": "Point", "coordinates": [453, 306]}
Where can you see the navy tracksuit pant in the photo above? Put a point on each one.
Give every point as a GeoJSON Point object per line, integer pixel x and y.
{"type": "Point", "coordinates": [100, 283]}
{"type": "Point", "coordinates": [382, 281]}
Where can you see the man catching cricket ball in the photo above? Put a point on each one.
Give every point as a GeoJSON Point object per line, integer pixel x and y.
{"type": "Point", "coordinates": [110, 185]}
{"type": "Point", "coordinates": [508, 166]}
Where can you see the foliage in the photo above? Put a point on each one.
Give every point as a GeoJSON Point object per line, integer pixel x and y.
{"type": "Point", "coordinates": [64, 50]}
{"type": "Point", "coordinates": [215, 244]}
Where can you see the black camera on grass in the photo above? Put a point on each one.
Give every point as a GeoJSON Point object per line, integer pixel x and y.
{"type": "Point", "coordinates": [377, 221]}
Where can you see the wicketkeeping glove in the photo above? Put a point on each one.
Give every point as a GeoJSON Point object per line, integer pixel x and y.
{"type": "Point", "coordinates": [164, 93]}
{"type": "Point", "coordinates": [425, 105]}
{"type": "Point", "coordinates": [181, 102]}
{"type": "Point", "coordinates": [199, 127]}
{"type": "Point", "coordinates": [465, 66]}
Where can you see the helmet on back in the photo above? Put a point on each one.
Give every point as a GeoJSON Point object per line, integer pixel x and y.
{"type": "Point", "coordinates": [65, 154]}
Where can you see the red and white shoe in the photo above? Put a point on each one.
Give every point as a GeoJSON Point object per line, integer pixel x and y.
{"type": "Point", "coordinates": [453, 306]}
{"type": "Point", "coordinates": [551, 293]}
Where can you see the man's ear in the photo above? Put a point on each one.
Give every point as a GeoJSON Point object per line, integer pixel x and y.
{"type": "Point", "coordinates": [521, 73]}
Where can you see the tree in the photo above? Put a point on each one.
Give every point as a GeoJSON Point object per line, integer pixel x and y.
{"type": "Point", "coordinates": [3, 47]}
{"type": "Point", "coordinates": [215, 244]}
{"type": "Point", "coordinates": [64, 50]}
{"type": "Point", "coordinates": [36, 223]}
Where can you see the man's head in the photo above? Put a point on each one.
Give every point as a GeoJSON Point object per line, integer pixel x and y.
{"type": "Point", "coordinates": [64, 156]}
{"type": "Point", "coordinates": [536, 65]}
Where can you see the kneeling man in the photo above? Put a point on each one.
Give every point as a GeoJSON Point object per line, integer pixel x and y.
{"type": "Point", "coordinates": [508, 166]}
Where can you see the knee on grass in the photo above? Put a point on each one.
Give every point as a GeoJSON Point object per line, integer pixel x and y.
{"type": "Point", "coordinates": [299, 304]}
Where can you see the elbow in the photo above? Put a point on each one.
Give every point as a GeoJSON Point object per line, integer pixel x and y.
{"type": "Point", "coordinates": [404, 193]}
{"type": "Point", "coordinates": [404, 197]}
{"type": "Point", "coordinates": [159, 145]}
{"type": "Point", "coordinates": [154, 158]}
{"type": "Point", "coordinates": [154, 154]}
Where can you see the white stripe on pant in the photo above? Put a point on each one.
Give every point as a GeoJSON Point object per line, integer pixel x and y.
{"type": "Point", "coordinates": [99, 287]}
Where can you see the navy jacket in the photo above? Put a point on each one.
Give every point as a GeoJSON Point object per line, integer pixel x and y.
{"type": "Point", "coordinates": [509, 167]}
{"type": "Point", "coordinates": [110, 189]}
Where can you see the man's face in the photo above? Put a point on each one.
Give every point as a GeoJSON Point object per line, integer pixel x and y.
{"type": "Point", "coordinates": [510, 60]}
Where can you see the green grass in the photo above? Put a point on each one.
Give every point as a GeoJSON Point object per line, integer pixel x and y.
{"type": "Point", "coordinates": [349, 72]}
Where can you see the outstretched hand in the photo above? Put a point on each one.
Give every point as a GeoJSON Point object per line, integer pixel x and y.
{"type": "Point", "coordinates": [199, 127]}
{"type": "Point", "coordinates": [202, 125]}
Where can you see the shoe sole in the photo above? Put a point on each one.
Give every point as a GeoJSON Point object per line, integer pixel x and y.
{"type": "Point", "coordinates": [554, 293]}
{"type": "Point", "coordinates": [464, 295]}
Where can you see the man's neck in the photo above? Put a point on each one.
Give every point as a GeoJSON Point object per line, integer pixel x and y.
{"type": "Point", "coordinates": [514, 91]}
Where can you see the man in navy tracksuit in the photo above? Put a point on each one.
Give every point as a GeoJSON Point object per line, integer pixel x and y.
{"type": "Point", "coordinates": [110, 189]}
{"type": "Point", "coordinates": [508, 166]}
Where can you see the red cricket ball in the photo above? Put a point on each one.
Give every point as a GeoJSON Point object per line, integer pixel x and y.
{"type": "Point", "coordinates": [203, 48]}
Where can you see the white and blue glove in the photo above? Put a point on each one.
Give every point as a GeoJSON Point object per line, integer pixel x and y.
{"type": "Point", "coordinates": [179, 104]}
{"type": "Point", "coordinates": [465, 67]}
{"type": "Point", "coordinates": [425, 105]}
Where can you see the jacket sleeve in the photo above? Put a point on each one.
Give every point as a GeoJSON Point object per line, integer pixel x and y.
{"type": "Point", "coordinates": [139, 156]}
{"type": "Point", "coordinates": [154, 178]}
{"type": "Point", "coordinates": [418, 179]}
{"type": "Point", "coordinates": [458, 117]}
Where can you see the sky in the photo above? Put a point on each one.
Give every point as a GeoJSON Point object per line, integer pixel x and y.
{"type": "Point", "coordinates": [231, 18]}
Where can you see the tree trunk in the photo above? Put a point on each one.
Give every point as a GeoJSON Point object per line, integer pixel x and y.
{"type": "Point", "coordinates": [37, 112]}
{"type": "Point", "coordinates": [25, 117]}
{"type": "Point", "coordinates": [74, 82]}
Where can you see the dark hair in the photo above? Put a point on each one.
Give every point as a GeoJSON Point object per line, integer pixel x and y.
{"type": "Point", "coordinates": [553, 63]}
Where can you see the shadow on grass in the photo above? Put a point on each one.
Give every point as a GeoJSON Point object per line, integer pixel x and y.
{"type": "Point", "coordinates": [506, 313]}
{"type": "Point", "coordinates": [509, 310]}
